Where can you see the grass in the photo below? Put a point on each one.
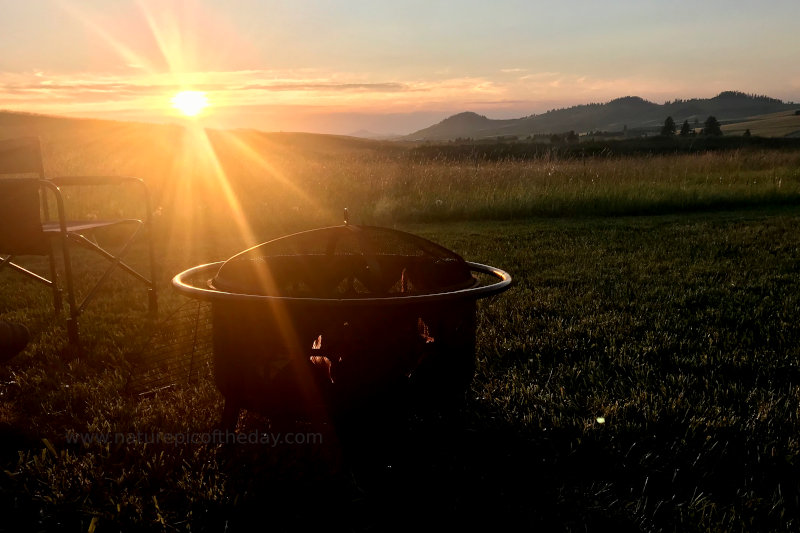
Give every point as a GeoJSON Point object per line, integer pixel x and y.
{"type": "Point", "coordinates": [678, 330]}
{"type": "Point", "coordinates": [595, 187]}
{"type": "Point", "coordinates": [289, 181]}
{"type": "Point", "coordinates": [773, 125]}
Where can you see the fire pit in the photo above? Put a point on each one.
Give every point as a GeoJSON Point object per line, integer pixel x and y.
{"type": "Point", "coordinates": [326, 321]}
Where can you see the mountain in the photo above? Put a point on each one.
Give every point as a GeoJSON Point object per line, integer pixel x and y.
{"type": "Point", "coordinates": [455, 126]}
{"type": "Point", "coordinates": [629, 112]}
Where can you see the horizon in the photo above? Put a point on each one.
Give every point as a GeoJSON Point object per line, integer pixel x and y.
{"type": "Point", "coordinates": [306, 67]}
{"type": "Point", "coordinates": [365, 133]}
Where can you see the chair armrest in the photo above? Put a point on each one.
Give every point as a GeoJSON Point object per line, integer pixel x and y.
{"type": "Point", "coordinates": [68, 181]}
{"type": "Point", "coordinates": [47, 184]}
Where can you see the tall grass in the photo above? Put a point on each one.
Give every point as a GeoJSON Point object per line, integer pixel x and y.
{"type": "Point", "coordinates": [292, 181]}
{"type": "Point", "coordinates": [591, 187]}
{"type": "Point", "coordinates": [393, 186]}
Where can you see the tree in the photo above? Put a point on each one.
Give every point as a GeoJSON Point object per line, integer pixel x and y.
{"type": "Point", "coordinates": [686, 129]}
{"type": "Point", "coordinates": [712, 127]}
{"type": "Point", "coordinates": [668, 130]}
{"type": "Point", "coordinates": [572, 137]}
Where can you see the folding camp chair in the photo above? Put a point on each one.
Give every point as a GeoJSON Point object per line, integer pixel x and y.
{"type": "Point", "coordinates": [26, 227]}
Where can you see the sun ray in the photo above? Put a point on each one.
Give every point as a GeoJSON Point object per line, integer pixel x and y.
{"type": "Point", "coordinates": [197, 192]}
{"type": "Point", "coordinates": [208, 157]}
{"type": "Point", "coordinates": [258, 160]}
{"type": "Point", "coordinates": [130, 56]}
{"type": "Point", "coordinates": [169, 38]}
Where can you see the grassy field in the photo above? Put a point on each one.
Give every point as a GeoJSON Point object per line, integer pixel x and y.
{"type": "Point", "coordinates": [641, 375]}
{"type": "Point", "coordinates": [774, 125]}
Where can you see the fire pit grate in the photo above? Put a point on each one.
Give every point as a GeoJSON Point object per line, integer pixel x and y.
{"type": "Point", "coordinates": [177, 353]}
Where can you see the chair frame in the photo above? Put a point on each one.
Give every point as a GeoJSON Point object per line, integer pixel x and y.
{"type": "Point", "coordinates": [69, 233]}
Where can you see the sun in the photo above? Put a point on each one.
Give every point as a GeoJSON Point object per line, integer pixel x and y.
{"type": "Point", "coordinates": [190, 103]}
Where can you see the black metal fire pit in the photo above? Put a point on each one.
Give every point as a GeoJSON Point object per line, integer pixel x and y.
{"type": "Point", "coordinates": [326, 321]}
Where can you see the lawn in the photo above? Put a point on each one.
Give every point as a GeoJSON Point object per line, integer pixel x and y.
{"type": "Point", "coordinates": [641, 374]}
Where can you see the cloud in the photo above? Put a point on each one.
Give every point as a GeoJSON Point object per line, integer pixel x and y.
{"type": "Point", "coordinates": [306, 86]}
{"type": "Point", "coordinates": [522, 92]}
{"type": "Point", "coordinates": [221, 82]}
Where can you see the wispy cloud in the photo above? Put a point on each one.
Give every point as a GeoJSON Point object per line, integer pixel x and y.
{"type": "Point", "coordinates": [39, 89]}
{"type": "Point", "coordinates": [51, 86]}
{"type": "Point", "coordinates": [523, 92]}
{"type": "Point", "coordinates": [306, 86]}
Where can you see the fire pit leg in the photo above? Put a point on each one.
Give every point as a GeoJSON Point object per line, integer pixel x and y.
{"type": "Point", "coordinates": [230, 415]}
{"type": "Point", "coordinates": [442, 380]}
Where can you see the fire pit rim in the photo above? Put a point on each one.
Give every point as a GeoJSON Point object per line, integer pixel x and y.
{"type": "Point", "coordinates": [182, 284]}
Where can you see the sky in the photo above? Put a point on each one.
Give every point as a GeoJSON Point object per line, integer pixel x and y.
{"type": "Point", "coordinates": [387, 67]}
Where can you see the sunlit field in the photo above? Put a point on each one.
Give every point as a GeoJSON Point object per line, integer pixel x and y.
{"type": "Point", "coordinates": [285, 181]}
{"type": "Point", "coordinates": [641, 374]}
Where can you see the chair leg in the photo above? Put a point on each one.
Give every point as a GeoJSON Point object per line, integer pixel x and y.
{"type": "Point", "coordinates": [72, 330]}
{"type": "Point", "coordinates": [72, 320]}
{"type": "Point", "coordinates": [116, 261]}
{"type": "Point", "coordinates": [57, 297]}
{"type": "Point", "coordinates": [153, 302]}
{"type": "Point", "coordinates": [153, 295]}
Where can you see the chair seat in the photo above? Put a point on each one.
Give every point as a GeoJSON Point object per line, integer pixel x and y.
{"type": "Point", "coordinates": [78, 226]}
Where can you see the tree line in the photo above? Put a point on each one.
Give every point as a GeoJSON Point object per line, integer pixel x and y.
{"type": "Point", "coordinates": [654, 145]}
{"type": "Point", "coordinates": [711, 127]}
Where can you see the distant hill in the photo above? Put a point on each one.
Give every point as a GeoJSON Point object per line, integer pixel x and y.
{"type": "Point", "coordinates": [154, 151]}
{"type": "Point", "coordinates": [96, 135]}
{"type": "Point", "coordinates": [366, 134]}
{"type": "Point", "coordinates": [630, 112]}
{"type": "Point", "coordinates": [457, 125]}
